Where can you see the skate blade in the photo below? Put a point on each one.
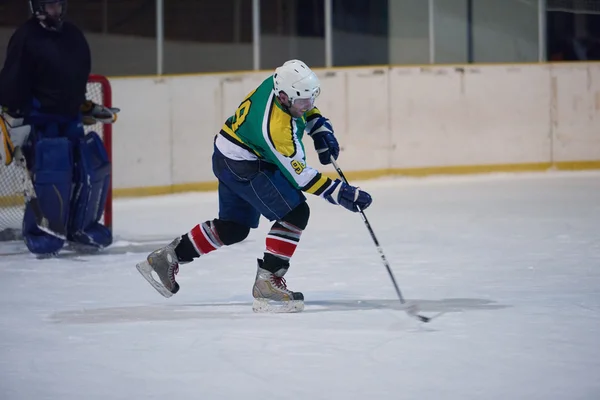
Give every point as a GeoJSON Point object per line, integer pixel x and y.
{"type": "Point", "coordinates": [269, 306]}
{"type": "Point", "coordinates": [145, 269]}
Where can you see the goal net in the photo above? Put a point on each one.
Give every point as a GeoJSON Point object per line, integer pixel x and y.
{"type": "Point", "coordinates": [12, 178]}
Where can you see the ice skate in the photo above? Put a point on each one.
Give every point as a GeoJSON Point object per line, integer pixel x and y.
{"type": "Point", "coordinates": [271, 294]}
{"type": "Point", "coordinates": [164, 263]}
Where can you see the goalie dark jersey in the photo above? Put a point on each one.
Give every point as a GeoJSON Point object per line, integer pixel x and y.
{"type": "Point", "coordinates": [51, 67]}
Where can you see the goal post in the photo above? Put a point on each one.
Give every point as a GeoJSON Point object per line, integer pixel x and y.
{"type": "Point", "coordinates": [100, 92]}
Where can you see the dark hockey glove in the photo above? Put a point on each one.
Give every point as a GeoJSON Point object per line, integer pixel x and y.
{"type": "Point", "coordinates": [93, 113]}
{"type": "Point", "coordinates": [349, 197]}
{"type": "Point", "coordinates": [321, 130]}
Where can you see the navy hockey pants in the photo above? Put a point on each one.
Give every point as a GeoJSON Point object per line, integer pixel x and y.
{"type": "Point", "coordinates": [249, 189]}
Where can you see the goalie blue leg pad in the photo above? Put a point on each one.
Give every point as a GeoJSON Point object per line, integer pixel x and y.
{"type": "Point", "coordinates": [92, 180]}
{"type": "Point", "coordinates": [52, 180]}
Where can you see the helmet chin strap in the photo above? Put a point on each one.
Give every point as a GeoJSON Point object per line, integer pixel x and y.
{"type": "Point", "coordinates": [47, 21]}
{"type": "Point", "coordinates": [50, 24]}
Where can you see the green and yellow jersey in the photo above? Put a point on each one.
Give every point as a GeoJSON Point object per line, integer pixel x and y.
{"type": "Point", "coordinates": [262, 129]}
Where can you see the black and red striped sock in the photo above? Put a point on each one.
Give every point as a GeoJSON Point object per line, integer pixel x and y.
{"type": "Point", "coordinates": [202, 239]}
{"type": "Point", "coordinates": [281, 244]}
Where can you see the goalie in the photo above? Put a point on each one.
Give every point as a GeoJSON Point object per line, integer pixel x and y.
{"type": "Point", "coordinates": [43, 110]}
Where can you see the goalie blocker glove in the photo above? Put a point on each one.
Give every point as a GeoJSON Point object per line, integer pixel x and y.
{"type": "Point", "coordinates": [349, 197]}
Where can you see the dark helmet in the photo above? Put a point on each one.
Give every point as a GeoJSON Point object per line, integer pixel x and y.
{"type": "Point", "coordinates": [38, 9]}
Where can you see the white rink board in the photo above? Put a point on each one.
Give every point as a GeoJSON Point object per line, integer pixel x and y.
{"type": "Point", "coordinates": [463, 116]}
{"type": "Point", "coordinates": [576, 134]}
{"type": "Point", "coordinates": [385, 118]}
{"type": "Point", "coordinates": [367, 140]}
{"type": "Point", "coordinates": [191, 149]}
{"type": "Point", "coordinates": [142, 136]}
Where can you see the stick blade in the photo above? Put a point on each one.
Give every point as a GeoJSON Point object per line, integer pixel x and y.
{"type": "Point", "coordinates": [423, 318]}
{"type": "Point", "coordinates": [413, 311]}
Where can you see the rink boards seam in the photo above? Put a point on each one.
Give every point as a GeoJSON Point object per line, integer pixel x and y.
{"type": "Point", "coordinates": [380, 173]}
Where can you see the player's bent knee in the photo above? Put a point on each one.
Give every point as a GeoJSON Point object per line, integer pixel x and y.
{"type": "Point", "coordinates": [231, 232]}
{"type": "Point", "coordinates": [299, 216]}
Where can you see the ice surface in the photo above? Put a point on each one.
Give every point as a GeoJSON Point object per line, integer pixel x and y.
{"type": "Point", "coordinates": [511, 263]}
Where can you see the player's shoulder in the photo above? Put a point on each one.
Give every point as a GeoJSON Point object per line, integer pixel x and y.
{"type": "Point", "coordinates": [279, 119]}
{"type": "Point", "coordinates": [32, 29]}
{"type": "Point", "coordinates": [26, 29]}
{"type": "Point", "coordinates": [266, 87]}
{"type": "Point", "coordinates": [70, 28]}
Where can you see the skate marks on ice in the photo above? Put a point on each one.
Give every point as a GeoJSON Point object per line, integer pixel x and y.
{"type": "Point", "coordinates": [241, 310]}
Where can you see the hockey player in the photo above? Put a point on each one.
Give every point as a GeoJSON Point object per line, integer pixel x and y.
{"type": "Point", "coordinates": [260, 164]}
{"type": "Point", "coordinates": [43, 99]}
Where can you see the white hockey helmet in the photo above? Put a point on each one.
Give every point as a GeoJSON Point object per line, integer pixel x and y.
{"type": "Point", "coordinates": [298, 82]}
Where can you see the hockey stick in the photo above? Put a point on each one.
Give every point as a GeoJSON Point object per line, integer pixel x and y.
{"type": "Point", "coordinates": [410, 309]}
{"type": "Point", "coordinates": [54, 229]}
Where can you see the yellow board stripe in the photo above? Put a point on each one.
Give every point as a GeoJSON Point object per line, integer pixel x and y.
{"type": "Point", "coordinates": [379, 173]}
{"type": "Point", "coordinates": [13, 200]}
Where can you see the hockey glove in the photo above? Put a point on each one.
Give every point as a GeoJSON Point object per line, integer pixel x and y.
{"type": "Point", "coordinates": [93, 113]}
{"type": "Point", "coordinates": [321, 130]}
{"type": "Point", "coordinates": [12, 134]}
{"type": "Point", "coordinates": [347, 196]}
